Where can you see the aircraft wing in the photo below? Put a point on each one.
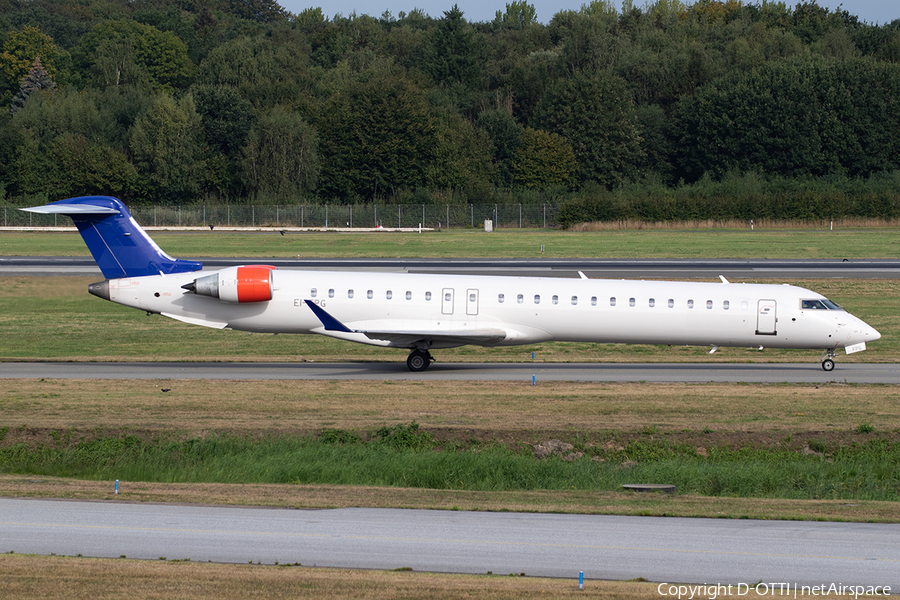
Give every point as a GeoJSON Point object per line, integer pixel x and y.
{"type": "Point", "coordinates": [462, 337]}
{"type": "Point", "coordinates": [409, 338]}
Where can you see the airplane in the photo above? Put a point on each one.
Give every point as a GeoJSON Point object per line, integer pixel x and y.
{"type": "Point", "coordinates": [425, 312]}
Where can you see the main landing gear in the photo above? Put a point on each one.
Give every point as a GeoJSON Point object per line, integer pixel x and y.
{"type": "Point", "coordinates": [419, 360]}
{"type": "Point", "coordinates": [828, 360]}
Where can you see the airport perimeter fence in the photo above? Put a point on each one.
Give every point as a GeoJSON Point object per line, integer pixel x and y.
{"type": "Point", "coordinates": [437, 216]}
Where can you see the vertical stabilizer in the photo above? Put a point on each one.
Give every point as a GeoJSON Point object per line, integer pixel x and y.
{"type": "Point", "coordinates": [118, 244]}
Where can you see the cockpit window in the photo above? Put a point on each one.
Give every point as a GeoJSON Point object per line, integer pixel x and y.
{"type": "Point", "coordinates": [823, 304]}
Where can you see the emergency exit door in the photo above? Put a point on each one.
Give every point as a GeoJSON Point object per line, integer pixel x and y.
{"type": "Point", "coordinates": [472, 302]}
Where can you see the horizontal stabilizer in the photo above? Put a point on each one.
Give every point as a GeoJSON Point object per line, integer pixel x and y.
{"type": "Point", "coordinates": [71, 209]}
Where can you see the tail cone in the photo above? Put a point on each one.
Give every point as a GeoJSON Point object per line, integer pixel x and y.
{"type": "Point", "coordinates": [100, 289]}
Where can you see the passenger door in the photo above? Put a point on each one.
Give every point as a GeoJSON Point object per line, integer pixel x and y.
{"type": "Point", "coordinates": [766, 318]}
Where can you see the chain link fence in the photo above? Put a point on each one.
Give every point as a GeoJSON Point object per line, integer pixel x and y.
{"type": "Point", "coordinates": [504, 216]}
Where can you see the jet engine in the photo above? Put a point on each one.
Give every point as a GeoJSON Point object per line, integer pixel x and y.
{"type": "Point", "coordinates": [251, 283]}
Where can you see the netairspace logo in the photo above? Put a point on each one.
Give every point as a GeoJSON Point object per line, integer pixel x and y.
{"type": "Point", "coordinates": [711, 592]}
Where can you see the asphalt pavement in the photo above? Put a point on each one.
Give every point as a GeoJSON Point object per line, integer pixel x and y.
{"type": "Point", "coordinates": [706, 551]}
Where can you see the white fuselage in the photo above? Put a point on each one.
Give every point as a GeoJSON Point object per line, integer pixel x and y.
{"type": "Point", "coordinates": [523, 309]}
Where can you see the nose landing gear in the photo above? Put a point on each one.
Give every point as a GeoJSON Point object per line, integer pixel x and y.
{"type": "Point", "coordinates": [828, 360]}
{"type": "Point", "coordinates": [419, 360]}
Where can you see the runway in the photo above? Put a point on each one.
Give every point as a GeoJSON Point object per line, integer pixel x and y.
{"type": "Point", "coordinates": [711, 551]}
{"type": "Point", "coordinates": [527, 372]}
{"type": "Point", "coordinates": [593, 268]}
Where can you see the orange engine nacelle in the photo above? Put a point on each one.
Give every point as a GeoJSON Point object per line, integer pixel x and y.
{"type": "Point", "coordinates": [250, 283]}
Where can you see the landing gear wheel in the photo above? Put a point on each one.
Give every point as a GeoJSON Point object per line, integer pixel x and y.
{"type": "Point", "coordinates": [419, 360]}
{"type": "Point", "coordinates": [828, 364]}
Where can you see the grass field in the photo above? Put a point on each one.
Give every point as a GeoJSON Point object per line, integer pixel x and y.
{"type": "Point", "coordinates": [725, 446]}
{"type": "Point", "coordinates": [45, 577]}
{"type": "Point", "coordinates": [525, 243]}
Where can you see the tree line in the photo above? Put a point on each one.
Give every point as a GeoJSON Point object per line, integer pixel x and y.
{"type": "Point", "coordinates": [239, 101]}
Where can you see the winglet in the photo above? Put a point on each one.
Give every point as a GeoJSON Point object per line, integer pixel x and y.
{"type": "Point", "coordinates": [330, 323]}
{"type": "Point", "coordinates": [120, 247]}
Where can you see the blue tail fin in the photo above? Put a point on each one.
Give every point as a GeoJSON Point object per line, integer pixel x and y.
{"type": "Point", "coordinates": [118, 244]}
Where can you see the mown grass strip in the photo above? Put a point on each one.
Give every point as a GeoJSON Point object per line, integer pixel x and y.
{"type": "Point", "coordinates": [525, 243]}
{"type": "Point", "coordinates": [553, 501]}
{"type": "Point", "coordinates": [44, 576]}
{"type": "Point", "coordinates": [506, 413]}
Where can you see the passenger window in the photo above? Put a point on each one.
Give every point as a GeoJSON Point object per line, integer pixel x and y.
{"type": "Point", "coordinates": [555, 299]}
{"type": "Point", "coordinates": [408, 295]}
{"type": "Point", "coordinates": [501, 298]}
{"type": "Point", "coordinates": [427, 296]}
{"type": "Point", "coordinates": [370, 294]}
{"type": "Point", "coordinates": [312, 293]}
{"type": "Point", "coordinates": [744, 305]}
{"type": "Point", "coordinates": [574, 300]}
{"type": "Point", "coordinates": [389, 294]}
{"type": "Point", "coordinates": [612, 301]}
{"type": "Point", "coordinates": [537, 298]}
{"type": "Point", "coordinates": [690, 304]}
{"type": "Point", "coordinates": [671, 303]}
{"type": "Point", "coordinates": [349, 293]}
{"type": "Point", "coordinates": [520, 298]}
{"type": "Point", "coordinates": [726, 305]}
{"type": "Point", "coordinates": [631, 302]}
{"type": "Point", "coordinates": [652, 302]}
{"type": "Point", "coordinates": [331, 293]}
{"type": "Point", "coordinates": [593, 300]}
{"type": "Point", "coordinates": [709, 304]}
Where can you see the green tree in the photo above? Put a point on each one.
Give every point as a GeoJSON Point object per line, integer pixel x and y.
{"type": "Point", "coordinates": [518, 15]}
{"type": "Point", "coordinates": [263, 11]}
{"type": "Point", "coordinates": [116, 53]}
{"type": "Point", "coordinates": [226, 116]}
{"type": "Point", "coordinates": [268, 70]}
{"type": "Point", "coordinates": [167, 145]}
{"type": "Point", "coordinates": [48, 116]}
{"type": "Point", "coordinates": [33, 167]}
{"type": "Point", "coordinates": [596, 116]}
{"type": "Point", "coordinates": [797, 118]}
{"type": "Point", "coordinates": [378, 134]}
{"type": "Point", "coordinates": [462, 156]}
{"type": "Point", "coordinates": [37, 79]}
{"type": "Point", "coordinates": [20, 50]}
{"type": "Point", "coordinates": [280, 159]}
{"type": "Point", "coordinates": [542, 160]}
{"type": "Point", "coordinates": [504, 135]}
{"type": "Point", "coordinates": [86, 168]}
{"type": "Point", "coordinates": [452, 58]}
{"type": "Point", "coordinates": [588, 39]}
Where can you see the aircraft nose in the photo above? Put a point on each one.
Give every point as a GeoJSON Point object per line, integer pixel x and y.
{"type": "Point", "coordinates": [863, 332]}
{"type": "Point", "coordinates": [872, 334]}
